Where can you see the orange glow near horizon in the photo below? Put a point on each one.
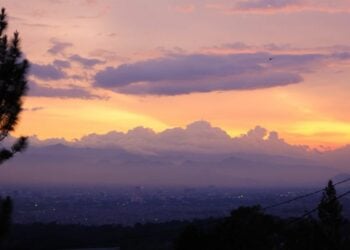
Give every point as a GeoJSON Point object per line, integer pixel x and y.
{"type": "Point", "coordinates": [72, 119]}
{"type": "Point", "coordinates": [313, 111]}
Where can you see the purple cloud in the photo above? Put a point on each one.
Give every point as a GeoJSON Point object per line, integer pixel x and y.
{"type": "Point", "coordinates": [70, 92]}
{"type": "Point", "coordinates": [245, 82]}
{"type": "Point", "coordinates": [46, 72]}
{"type": "Point", "coordinates": [86, 62]}
{"type": "Point", "coordinates": [58, 46]}
{"type": "Point", "coordinates": [183, 74]}
{"type": "Point", "coordinates": [266, 4]}
{"type": "Point", "coordinates": [61, 64]}
{"type": "Point", "coordinates": [278, 6]}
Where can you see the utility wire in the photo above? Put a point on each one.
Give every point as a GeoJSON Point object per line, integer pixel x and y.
{"type": "Point", "coordinates": [316, 208]}
{"type": "Point", "coordinates": [302, 196]}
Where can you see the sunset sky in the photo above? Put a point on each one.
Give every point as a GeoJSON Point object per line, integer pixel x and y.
{"type": "Point", "coordinates": [104, 65]}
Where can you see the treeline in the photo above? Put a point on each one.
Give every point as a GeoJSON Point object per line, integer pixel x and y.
{"type": "Point", "coordinates": [56, 236]}
{"type": "Point", "coordinates": [247, 228]}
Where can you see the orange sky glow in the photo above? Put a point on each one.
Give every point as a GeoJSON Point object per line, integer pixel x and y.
{"type": "Point", "coordinates": [105, 65]}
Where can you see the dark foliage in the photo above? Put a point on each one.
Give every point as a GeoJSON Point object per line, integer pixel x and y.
{"type": "Point", "coordinates": [55, 236]}
{"type": "Point", "coordinates": [5, 217]}
{"type": "Point", "coordinates": [249, 228]}
{"type": "Point", "coordinates": [13, 86]}
{"type": "Point", "coordinates": [254, 230]}
{"type": "Point", "coordinates": [331, 219]}
{"type": "Point", "coordinates": [246, 228]}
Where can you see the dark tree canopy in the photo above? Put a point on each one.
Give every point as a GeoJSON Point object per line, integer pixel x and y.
{"type": "Point", "coordinates": [330, 209]}
{"type": "Point", "coordinates": [13, 86]}
{"type": "Point", "coordinates": [331, 218]}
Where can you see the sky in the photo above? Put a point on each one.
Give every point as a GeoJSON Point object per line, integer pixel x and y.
{"type": "Point", "coordinates": [113, 65]}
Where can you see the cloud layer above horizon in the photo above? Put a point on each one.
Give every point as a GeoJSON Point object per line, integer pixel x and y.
{"type": "Point", "coordinates": [281, 6]}
{"type": "Point", "coordinates": [185, 74]}
{"type": "Point", "coordinates": [105, 64]}
{"type": "Point", "coordinates": [197, 137]}
{"type": "Point", "coordinates": [198, 155]}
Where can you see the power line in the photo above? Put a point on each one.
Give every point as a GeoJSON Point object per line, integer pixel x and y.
{"type": "Point", "coordinates": [316, 208]}
{"type": "Point", "coordinates": [302, 196]}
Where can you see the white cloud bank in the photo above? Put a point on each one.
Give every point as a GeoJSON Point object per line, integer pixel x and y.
{"type": "Point", "coordinates": [197, 155]}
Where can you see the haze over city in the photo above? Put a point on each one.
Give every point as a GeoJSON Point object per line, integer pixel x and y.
{"type": "Point", "coordinates": [175, 124]}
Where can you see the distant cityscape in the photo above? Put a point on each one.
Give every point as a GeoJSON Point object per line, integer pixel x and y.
{"type": "Point", "coordinates": [130, 205]}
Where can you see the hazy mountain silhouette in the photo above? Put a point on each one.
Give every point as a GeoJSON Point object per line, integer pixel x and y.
{"type": "Point", "coordinates": [63, 164]}
{"type": "Point", "coordinates": [198, 155]}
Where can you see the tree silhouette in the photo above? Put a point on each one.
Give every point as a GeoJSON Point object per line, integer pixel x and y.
{"type": "Point", "coordinates": [5, 217]}
{"type": "Point", "coordinates": [331, 219]}
{"type": "Point", "coordinates": [13, 86]}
